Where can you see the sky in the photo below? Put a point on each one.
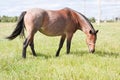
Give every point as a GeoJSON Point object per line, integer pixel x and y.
{"type": "Point", "coordinates": [109, 8]}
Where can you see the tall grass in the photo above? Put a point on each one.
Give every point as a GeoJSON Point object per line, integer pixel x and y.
{"type": "Point", "coordinates": [104, 64]}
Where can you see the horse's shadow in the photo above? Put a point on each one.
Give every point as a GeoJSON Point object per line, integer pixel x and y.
{"type": "Point", "coordinates": [46, 56]}
{"type": "Point", "coordinates": [104, 53]}
{"type": "Point", "coordinates": [99, 53]}
{"type": "Point", "coordinates": [81, 53]}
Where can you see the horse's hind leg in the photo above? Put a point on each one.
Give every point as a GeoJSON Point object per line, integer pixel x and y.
{"type": "Point", "coordinates": [32, 47]}
{"type": "Point", "coordinates": [28, 41]}
{"type": "Point", "coordinates": [25, 44]}
{"type": "Point", "coordinates": [60, 44]}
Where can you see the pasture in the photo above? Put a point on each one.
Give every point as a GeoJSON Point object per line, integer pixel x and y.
{"type": "Point", "coordinates": [104, 64]}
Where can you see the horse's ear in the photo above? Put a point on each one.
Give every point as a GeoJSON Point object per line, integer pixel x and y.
{"type": "Point", "coordinates": [96, 31]}
{"type": "Point", "coordinates": [90, 32]}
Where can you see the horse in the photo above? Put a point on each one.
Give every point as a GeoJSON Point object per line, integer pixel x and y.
{"type": "Point", "coordinates": [64, 22]}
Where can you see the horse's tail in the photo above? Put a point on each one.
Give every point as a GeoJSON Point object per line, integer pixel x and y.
{"type": "Point", "coordinates": [19, 30]}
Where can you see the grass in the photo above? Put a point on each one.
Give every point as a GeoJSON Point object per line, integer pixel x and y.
{"type": "Point", "coordinates": [104, 64]}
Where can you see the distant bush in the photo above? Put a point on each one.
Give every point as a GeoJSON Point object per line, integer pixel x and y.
{"type": "Point", "coordinates": [92, 19]}
{"type": "Point", "coordinates": [8, 19]}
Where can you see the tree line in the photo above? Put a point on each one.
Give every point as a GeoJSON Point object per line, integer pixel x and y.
{"type": "Point", "coordinates": [8, 18]}
{"type": "Point", "coordinates": [15, 18]}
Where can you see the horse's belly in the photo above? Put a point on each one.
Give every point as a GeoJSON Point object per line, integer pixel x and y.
{"type": "Point", "coordinates": [51, 31]}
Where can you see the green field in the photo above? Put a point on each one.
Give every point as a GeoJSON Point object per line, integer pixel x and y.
{"type": "Point", "coordinates": [104, 64]}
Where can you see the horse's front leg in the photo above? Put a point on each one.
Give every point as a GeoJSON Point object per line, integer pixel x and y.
{"type": "Point", "coordinates": [60, 44]}
{"type": "Point", "coordinates": [69, 38]}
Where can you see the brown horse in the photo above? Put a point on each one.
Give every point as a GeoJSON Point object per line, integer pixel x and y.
{"type": "Point", "coordinates": [62, 23]}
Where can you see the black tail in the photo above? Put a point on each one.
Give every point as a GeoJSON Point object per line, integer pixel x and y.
{"type": "Point", "coordinates": [19, 30]}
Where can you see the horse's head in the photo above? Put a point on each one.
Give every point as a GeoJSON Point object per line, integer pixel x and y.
{"type": "Point", "coordinates": [91, 40]}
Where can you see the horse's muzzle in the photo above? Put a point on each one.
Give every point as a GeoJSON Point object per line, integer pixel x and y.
{"type": "Point", "coordinates": [92, 51]}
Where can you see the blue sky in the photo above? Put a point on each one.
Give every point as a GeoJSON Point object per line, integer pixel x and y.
{"type": "Point", "coordinates": [109, 8]}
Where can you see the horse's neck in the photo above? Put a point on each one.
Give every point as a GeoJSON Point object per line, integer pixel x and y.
{"type": "Point", "coordinates": [85, 29]}
{"type": "Point", "coordinates": [81, 21]}
{"type": "Point", "coordinates": [84, 24]}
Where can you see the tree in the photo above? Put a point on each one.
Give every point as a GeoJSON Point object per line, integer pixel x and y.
{"type": "Point", "coordinates": [92, 19]}
{"type": "Point", "coordinates": [0, 18]}
{"type": "Point", "coordinates": [8, 19]}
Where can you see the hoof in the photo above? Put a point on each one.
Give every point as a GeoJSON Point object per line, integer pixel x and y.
{"type": "Point", "coordinates": [57, 55]}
